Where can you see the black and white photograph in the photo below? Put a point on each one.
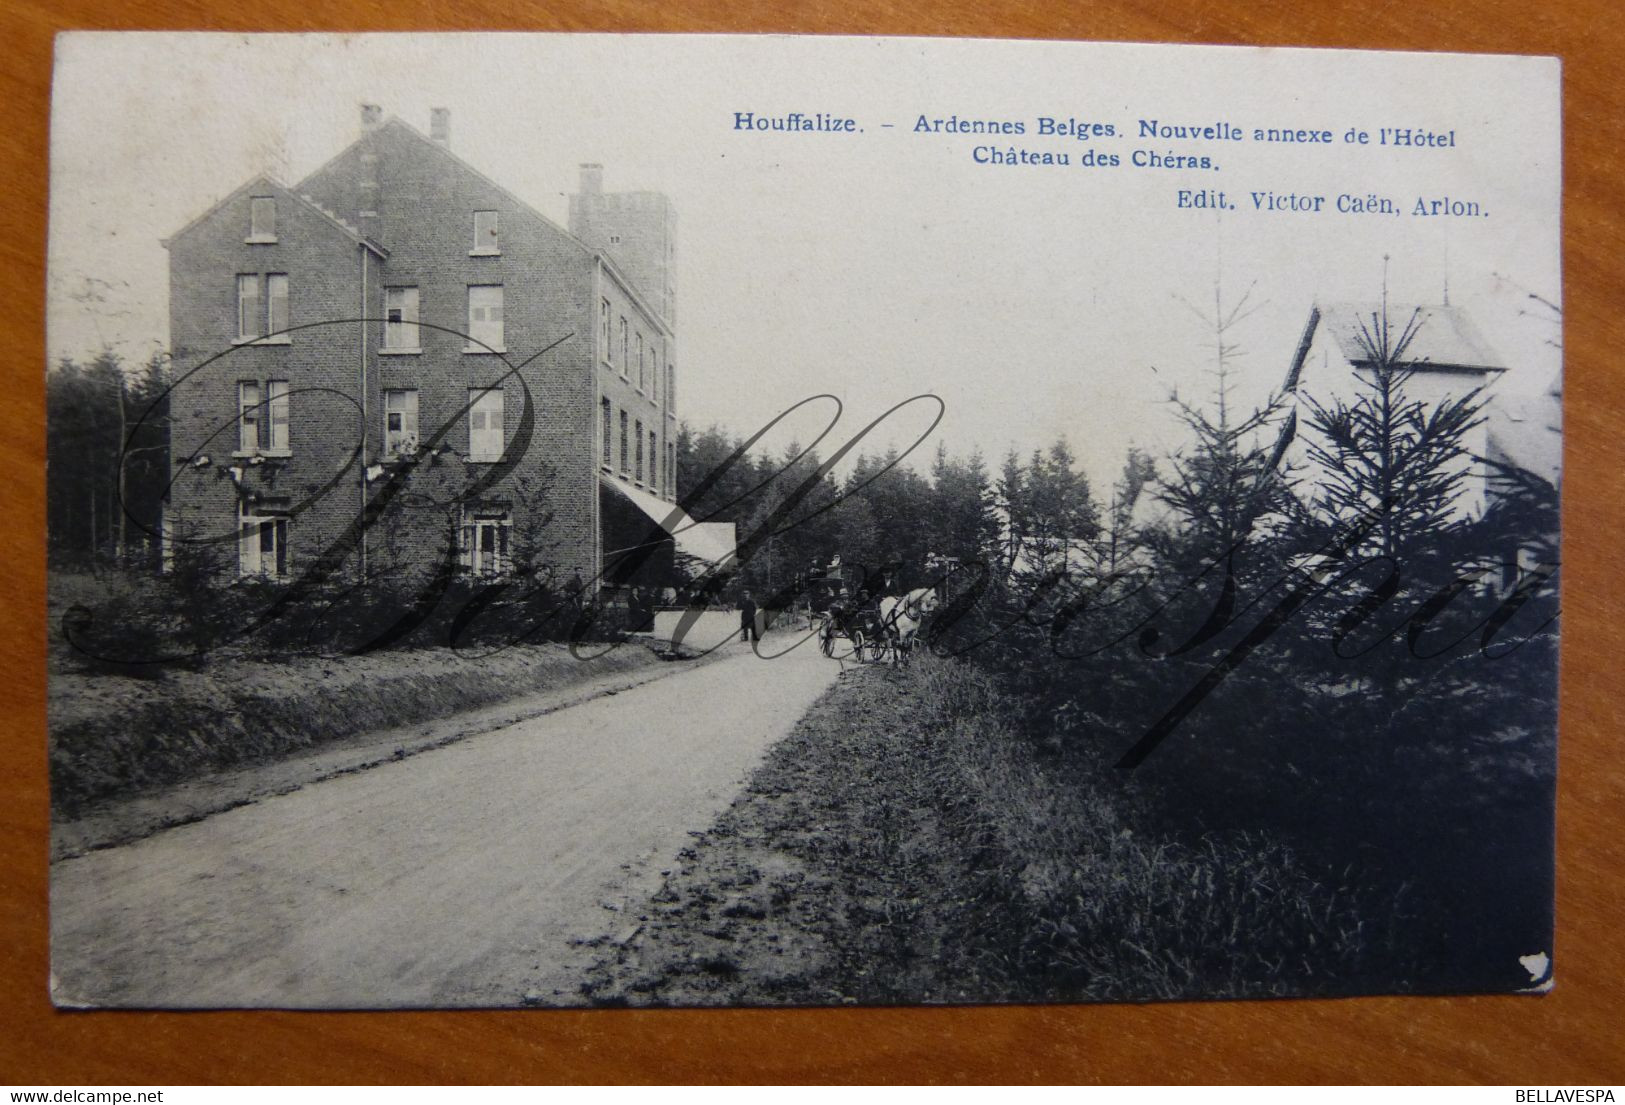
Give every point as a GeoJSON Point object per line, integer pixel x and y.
{"type": "Point", "coordinates": [639, 520]}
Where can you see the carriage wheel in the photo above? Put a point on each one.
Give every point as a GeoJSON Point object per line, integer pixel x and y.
{"type": "Point", "coordinates": [879, 646]}
{"type": "Point", "coordinates": [832, 639]}
{"type": "Point", "coordinates": [826, 639]}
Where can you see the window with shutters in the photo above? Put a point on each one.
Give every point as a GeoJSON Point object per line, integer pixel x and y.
{"type": "Point", "coordinates": [401, 320]}
{"type": "Point", "coordinates": [485, 319]}
{"type": "Point", "coordinates": [484, 542]}
{"type": "Point", "coordinates": [623, 443]}
{"type": "Point", "coordinates": [607, 430]}
{"type": "Point", "coordinates": [637, 438]}
{"type": "Point", "coordinates": [400, 421]}
{"type": "Point", "coordinates": [485, 438]}
{"type": "Point", "coordinates": [262, 545]}
{"type": "Point", "coordinates": [654, 465]}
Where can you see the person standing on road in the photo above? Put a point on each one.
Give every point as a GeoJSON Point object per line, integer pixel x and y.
{"type": "Point", "coordinates": [747, 619]}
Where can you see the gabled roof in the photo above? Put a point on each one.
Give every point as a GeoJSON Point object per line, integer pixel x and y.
{"type": "Point", "coordinates": [395, 122]}
{"type": "Point", "coordinates": [1443, 338]}
{"type": "Point", "coordinates": [264, 183]}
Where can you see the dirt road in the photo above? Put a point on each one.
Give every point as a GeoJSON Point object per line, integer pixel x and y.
{"type": "Point", "coordinates": [460, 876]}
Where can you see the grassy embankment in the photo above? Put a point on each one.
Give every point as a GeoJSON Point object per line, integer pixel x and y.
{"type": "Point", "coordinates": [904, 844]}
{"type": "Point", "coordinates": [113, 735]}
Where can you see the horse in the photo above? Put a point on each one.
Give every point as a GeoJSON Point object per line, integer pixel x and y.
{"type": "Point", "coordinates": [902, 616]}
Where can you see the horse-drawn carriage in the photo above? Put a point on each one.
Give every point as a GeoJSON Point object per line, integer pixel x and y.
{"type": "Point", "coordinates": [866, 624]}
{"type": "Point", "coordinates": [851, 630]}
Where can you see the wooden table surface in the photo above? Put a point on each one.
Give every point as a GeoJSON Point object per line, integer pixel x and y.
{"type": "Point", "coordinates": [1573, 1036]}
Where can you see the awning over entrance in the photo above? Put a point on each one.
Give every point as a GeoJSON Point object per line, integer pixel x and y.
{"type": "Point", "coordinates": [711, 544]}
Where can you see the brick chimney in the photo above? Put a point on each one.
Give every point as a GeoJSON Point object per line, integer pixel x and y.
{"type": "Point", "coordinates": [440, 126]}
{"type": "Point", "coordinates": [371, 117]}
{"type": "Point", "coordinates": [592, 179]}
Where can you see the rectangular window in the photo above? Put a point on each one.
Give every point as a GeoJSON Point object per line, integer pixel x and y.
{"type": "Point", "coordinates": [637, 430]}
{"type": "Point", "coordinates": [603, 330]}
{"type": "Point", "coordinates": [250, 316]}
{"type": "Point", "coordinates": [484, 542]}
{"type": "Point", "coordinates": [276, 301]}
{"type": "Point", "coordinates": [671, 470]}
{"type": "Point", "coordinates": [485, 318]}
{"type": "Point", "coordinates": [671, 386]}
{"type": "Point", "coordinates": [486, 240]}
{"type": "Point", "coordinates": [262, 416]}
{"type": "Point", "coordinates": [624, 347]}
{"type": "Point", "coordinates": [262, 307]}
{"type": "Point", "coordinates": [654, 371]}
{"type": "Point", "coordinates": [262, 219]}
{"type": "Point", "coordinates": [623, 443]}
{"type": "Point", "coordinates": [401, 319]}
{"type": "Point", "coordinates": [400, 421]}
{"type": "Point", "coordinates": [654, 461]}
{"type": "Point", "coordinates": [276, 421]}
{"type": "Point", "coordinates": [642, 371]}
{"type": "Point", "coordinates": [249, 413]}
{"type": "Point", "coordinates": [609, 430]}
{"type": "Point", "coordinates": [485, 437]}
{"type": "Point", "coordinates": [262, 546]}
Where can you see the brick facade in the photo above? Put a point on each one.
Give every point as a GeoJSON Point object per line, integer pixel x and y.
{"type": "Point", "coordinates": [395, 211]}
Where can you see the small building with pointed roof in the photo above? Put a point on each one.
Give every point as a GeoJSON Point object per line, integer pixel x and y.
{"type": "Point", "coordinates": [1445, 353]}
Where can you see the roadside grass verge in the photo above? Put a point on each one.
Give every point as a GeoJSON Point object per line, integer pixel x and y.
{"type": "Point", "coordinates": [906, 844]}
{"type": "Point", "coordinates": [121, 722]}
{"type": "Point", "coordinates": [111, 735]}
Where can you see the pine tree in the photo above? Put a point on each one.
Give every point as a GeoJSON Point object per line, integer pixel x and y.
{"type": "Point", "coordinates": [1010, 499]}
{"type": "Point", "coordinates": [1062, 515]}
{"type": "Point", "coordinates": [1389, 465]}
{"type": "Point", "coordinates": [107, 444]}
{"type": "Point", "coordinates": [715, 481]}
{"type": "Point", "coordinates": [898, 498]}
{"type": "Point", "coordinates": [1120, 538]}
{"type": "Point", "coordinates": [961, 522]}
{"type": "Point", "coordinates": [980, 537]}
{"type": "Point", "coordinates": [1225, 479]}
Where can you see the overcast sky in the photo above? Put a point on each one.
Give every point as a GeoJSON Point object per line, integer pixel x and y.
{"type": "Point", "coordinates": [1036, 301]}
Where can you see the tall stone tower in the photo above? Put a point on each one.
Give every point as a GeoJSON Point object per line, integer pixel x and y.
{"type": "Point", "coordinates": [636, 230]}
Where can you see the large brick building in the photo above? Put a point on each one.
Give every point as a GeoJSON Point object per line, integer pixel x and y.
{"type": "Point", "coordinates": [397, 362]}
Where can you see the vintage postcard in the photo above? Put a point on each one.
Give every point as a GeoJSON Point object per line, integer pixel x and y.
{"type": "Point", "coordinates": [643, 520]}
